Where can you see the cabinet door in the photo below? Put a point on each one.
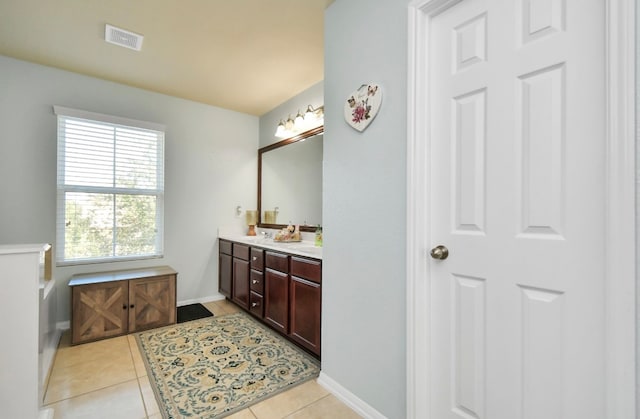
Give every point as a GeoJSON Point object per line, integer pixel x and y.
{"type": "Point", "coordinates": [276, 300]}
{"type": "Point", "coordinates": [225, 275]}
{"type": "Point", "coordinates": [241, 282]}
{"type": "Point", "coordinates": [305, 313]}
{"type": "Point", "coordinates": [152, 302]}
{"type": "Point", "coordinates": [99, 311]}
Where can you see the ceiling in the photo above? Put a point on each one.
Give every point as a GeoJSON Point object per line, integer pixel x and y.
{"type": "Point", "coordinates": [245, 55]}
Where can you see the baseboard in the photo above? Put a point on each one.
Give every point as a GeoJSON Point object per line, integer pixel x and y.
{"type": "Point", "coordinates": [46, 358]}
{"type": "Point", "coordinates": [49, 354]}
{"type": "Point", "coordinates": [348, 398]}
{"type": "Point", "coordinates": [216, 297]}
{"type": "Point", "coordinates": [46, 413]}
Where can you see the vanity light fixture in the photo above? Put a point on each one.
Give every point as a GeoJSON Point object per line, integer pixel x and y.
{"type": "Point", "coordinates": [313, 117]}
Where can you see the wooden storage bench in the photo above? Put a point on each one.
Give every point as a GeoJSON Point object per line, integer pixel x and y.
{"type": "Point", "coordinates": [113, 303]}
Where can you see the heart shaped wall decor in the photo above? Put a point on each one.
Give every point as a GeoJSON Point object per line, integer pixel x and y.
{"type": "Point", "coordinates": [362, 106]}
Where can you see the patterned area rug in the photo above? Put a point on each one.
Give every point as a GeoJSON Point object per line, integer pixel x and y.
{"type": "Point", "coordinates": [213, 367]}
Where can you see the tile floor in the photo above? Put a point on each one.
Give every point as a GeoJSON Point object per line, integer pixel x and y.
{"type": "Point", "coordinates": [107, 379]}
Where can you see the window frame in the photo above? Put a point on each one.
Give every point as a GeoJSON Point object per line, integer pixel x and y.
{"type": "Point", "coordinates": [62, 188]}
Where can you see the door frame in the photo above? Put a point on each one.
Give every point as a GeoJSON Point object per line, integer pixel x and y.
{"type": "Point", "coordinates": [620, 222]}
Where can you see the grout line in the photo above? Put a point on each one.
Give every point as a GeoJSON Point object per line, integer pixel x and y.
{"type": "Point", "coordinates": [135, 371]}
{"type": "Point", "coordinates": [87, 393]}
{"type": "Point", "coordinates": [304, 407]}
{"type": "Point", "coordinates": [144, 405]}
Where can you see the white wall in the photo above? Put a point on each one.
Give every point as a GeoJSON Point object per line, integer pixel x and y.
{"type": "Point", "coordinates": [637, 205]}
{"type": "Point", "coordinates": [363, 329]}
{"type": "Point", "coordinates": [211, 168]}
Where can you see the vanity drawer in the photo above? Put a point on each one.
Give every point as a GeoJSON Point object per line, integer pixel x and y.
{"type": "Point", "coordinates": [256, 305]}
{"type": "Point", "coordinates": [225, 247]}
{"type": "Point", "coordinates": [257, 259]}
{"type": "Point", "coordinates": [257, 282]}
{"type": "Point", "coordinates": [277, 261]}
{"type": "Point", "coordinates": [240, 251]}
{"type": "Point", "coordinates": [307, 269]}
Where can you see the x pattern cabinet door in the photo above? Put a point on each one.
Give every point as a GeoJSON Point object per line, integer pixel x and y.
{"type": "Point", "coordinates": [99, 311]}
{"type": "Point", "coordinates": [152, 302]}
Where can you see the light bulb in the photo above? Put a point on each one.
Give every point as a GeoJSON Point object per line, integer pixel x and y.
{"type": "Point", "coordinates": [280, 131]}
{"type": "Point", "coordinates": [289, 124]}
{"type": "Point", "coordinates": [309, 114]}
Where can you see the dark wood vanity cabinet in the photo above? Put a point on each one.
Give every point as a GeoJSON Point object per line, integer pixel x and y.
{"type": "Point", "coordinates": [283, 290]}
{"type": "Point", "coordinates": [293, 297]}
{"type": "Point", "coordinates": [306, 301]}
{"type": "Point", "coordinates": [240, 294]}
{"type": "Point", "coordinates": [225, 268]}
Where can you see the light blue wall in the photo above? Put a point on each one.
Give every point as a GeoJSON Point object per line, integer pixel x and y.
{"type": "Point", "coordinates": [363, 330]}
{"type": "Point", "coordinates": [211, 167]}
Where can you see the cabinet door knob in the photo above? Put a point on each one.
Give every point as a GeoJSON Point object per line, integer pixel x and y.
{"type": "Point", "coordinates": [254, 258]}
{"type": "Point", "coordinates": [131, 306]}
{"type": "Point", "coordinates": [254, 304]}
{"type": "Point", "coordinates": [124, 306]}
{"type": "Point", "coordinates": [254, 281]}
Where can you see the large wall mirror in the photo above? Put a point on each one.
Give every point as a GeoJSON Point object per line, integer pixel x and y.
{"type": "Point", "coordinates": [290, 182]}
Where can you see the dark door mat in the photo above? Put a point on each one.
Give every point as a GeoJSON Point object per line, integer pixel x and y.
{"type": "Point", "coordinates": [192, 312]}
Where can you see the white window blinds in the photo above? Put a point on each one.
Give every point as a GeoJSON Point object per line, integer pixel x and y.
{"type": "Point", "coordinates": [110, 187]}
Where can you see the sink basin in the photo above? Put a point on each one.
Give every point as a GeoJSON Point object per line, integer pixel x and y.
{"type": "Point", "coordinates": [306, 248]}
{"type": "Point", "coordinates": [256, 240]}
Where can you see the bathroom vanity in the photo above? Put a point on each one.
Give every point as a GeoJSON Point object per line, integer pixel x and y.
{"type": "Point", "coordinates": [278, 283]}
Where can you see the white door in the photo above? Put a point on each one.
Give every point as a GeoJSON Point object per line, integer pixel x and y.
{"type": "Point", "coordinates": [517, 114]}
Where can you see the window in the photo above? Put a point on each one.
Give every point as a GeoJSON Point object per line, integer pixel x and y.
{"type": "Point", "coordinates": [110, 188]}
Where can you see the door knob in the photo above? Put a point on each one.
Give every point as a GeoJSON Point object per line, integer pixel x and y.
{"type": "Point", "coordinates": [440, 252]}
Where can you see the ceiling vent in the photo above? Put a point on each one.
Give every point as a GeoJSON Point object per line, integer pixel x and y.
{"type": "Point", "coordinates": [123, 37]}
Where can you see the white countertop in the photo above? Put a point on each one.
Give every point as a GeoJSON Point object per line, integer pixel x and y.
{"type": "Point", "coordinates": [303, 248]}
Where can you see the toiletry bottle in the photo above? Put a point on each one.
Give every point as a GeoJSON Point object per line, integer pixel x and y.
{"type": "Point", "coordinates": [319, 236]}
